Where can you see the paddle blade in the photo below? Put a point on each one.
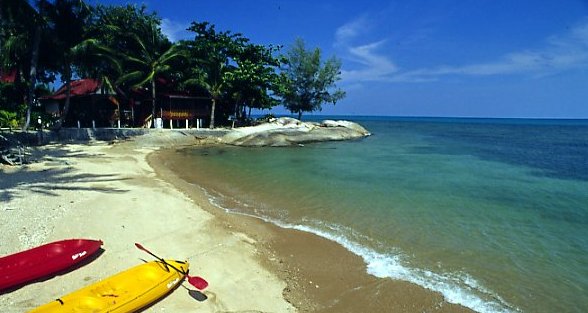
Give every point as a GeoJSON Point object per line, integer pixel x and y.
{"type": "Point", "coordinates": [138, 245]}
{"type": "Point", "coordinates": [197, 282]}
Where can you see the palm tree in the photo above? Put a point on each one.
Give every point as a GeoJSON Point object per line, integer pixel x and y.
{"type": "Point", "coordinates": [148, 61]}
{"type": "Point", "coordinates": [68, 19]}
{"type": "Point", "coordinates": [210, 54]}
{"type": "Point", "coordinates": [212, 74]}
{"type": "Point", "coordinates": [27, 32]}
{"type": "Point", "coordinates": [22, 25]}
{"type": "Point", "coordinates": [16, 33]}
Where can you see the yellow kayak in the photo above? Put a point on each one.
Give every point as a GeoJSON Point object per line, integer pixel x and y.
{"type": "Point", "coordinates": [127, 291]}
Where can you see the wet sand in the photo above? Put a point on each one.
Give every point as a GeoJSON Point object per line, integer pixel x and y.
{"type": "Point", "coordinates": [321, 275]}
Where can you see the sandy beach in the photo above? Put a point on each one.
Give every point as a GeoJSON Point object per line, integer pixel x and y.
{"type": "Point", "coordinates": [109, 192]}
{"type": "Point", "coordinates": [124, 193]}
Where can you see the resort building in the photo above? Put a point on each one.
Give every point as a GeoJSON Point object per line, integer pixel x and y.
{"type": "Point", "coordinates": [93, 104]}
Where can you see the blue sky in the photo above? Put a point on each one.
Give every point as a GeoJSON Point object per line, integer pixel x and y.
{"type": "Point", "coordinates": [468, 58]}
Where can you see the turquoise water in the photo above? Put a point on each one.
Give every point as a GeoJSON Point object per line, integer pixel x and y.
{"type": "Point", "coordinates": [491, 213]}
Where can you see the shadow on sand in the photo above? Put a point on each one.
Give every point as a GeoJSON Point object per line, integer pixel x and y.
{"type": "Point", "coordinates": [51, 179]}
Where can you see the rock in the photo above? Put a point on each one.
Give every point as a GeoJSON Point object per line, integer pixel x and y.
{"type": "Point", "coordinates": [286, 131]}
{"type": "Point", "coordinates": [347, 124]}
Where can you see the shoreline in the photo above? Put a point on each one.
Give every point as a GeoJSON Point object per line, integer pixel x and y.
{"type": "Point", "coordinates": [272, 268]}
{"type": "Point", "coordinates": [321, 274]}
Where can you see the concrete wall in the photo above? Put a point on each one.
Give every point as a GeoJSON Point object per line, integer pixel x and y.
{"type": "Point", "coordinates": [103, 134]}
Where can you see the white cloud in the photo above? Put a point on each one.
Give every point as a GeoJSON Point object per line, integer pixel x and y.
{"type": "Point", "coordinates": [373, 66]}
{"type": "Point", "coordinates": [350, 30]}
{"type": "Point", "coordinates": [370, 63]}
{"type": "Point", "coordinates": [560, 53]}
{"type": "Point", "coordinates": [174, 30]}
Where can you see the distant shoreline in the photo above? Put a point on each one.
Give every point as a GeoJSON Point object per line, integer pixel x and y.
{"type": "Point", "coordinates": [435, 118]}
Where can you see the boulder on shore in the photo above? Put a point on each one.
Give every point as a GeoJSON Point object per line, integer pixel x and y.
{"type": "Point", "coordinates": [286, 131]}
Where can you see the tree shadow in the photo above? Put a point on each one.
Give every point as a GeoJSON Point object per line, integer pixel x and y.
{"type": "Point", "coordinates": [61, 176]}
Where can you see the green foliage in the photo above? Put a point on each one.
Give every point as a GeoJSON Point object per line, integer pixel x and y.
{"type": "Point", "coordinates": [210, 61]}
{"type": "Point", "coordinates": [8, 119]}
{"type": "Point", "coordinates": [12, 105]}
{"type": "Point", "coordinates": [130, 42]}
{"type": "Point", "coordinates": [211, 53]}
{"type": "Point", "coordinates": [114, 27]}
{"type": "Point", "coordinates": [125, 47]}
{"type": "Point", "coordinates": [18, 22]}
{"type": "Point", "coordinates": [254, 78]}
{"type": "Point", "coordinates": [306, 82]}
{"type": "Point", "coordinates": [233, 70]}
{"type": "Point", "coordinates": [148, 60]}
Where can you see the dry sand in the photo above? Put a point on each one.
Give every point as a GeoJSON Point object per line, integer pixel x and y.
{"type": "Point", "coordinates": [123, 194]}
{"type": "Point", "coordinates": [109, 192]}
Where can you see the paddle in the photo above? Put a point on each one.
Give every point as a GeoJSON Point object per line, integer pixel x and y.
{"type": "Point", "coordinates": [195, 281]}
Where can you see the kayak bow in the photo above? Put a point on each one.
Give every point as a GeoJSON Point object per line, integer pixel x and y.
{"type": "Point", "coordinates": [44, 261]}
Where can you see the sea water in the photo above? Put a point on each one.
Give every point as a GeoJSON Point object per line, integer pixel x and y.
{"type": "Point", "coordinates": [492, 213]}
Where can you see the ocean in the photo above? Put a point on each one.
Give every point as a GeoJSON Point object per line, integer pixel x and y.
{"type": "Point", "coordinates": [491, 213]}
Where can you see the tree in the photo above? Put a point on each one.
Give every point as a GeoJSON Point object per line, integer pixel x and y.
{"type": "Point", "coordinates": [306, 82]}
{"type": "Point", "coordinates": [149, 63]}
{"type": "Point", "coordinates": [254, 78]}
{"type": "Point", "coordinates": [52, 42]}
{"type": "Point", "coordinates": [229, 68]}
{"type": "Point", "coordinates": [22, 29]}
{"type": "Point", "coordinates": [22, 26]}
{"type": "Point", "coordinates": [15, 39]}
{"type": "Point", "coordinates": [147, 52]}
{"type": "Point", "coordinates": [212, 53]}
{"type": "Point", "coordinates": [129, 50]}
{"type": "Point", "coordinates": [70, 44]}
{"type": "Point", "coordinates": [114, 28]}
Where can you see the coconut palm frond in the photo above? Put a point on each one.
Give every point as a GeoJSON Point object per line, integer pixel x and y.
{"type": "Point", "coordinates": [106, 81]}
{"type": "Point", "coordinates": [129, 77]}
{"type": "Point", "coordinates": [146, 79]}
{"type": "Point", "coordinates": [135, 60]}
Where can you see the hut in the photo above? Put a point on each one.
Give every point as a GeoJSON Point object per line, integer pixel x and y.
{"type": "Point", "coordinates": [91, 104]}
{"type": "Point", "coordinates": [94, 105]}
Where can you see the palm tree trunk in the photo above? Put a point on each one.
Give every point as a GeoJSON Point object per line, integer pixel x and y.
{"type": "Point", "coordinates": [33, 73]}
{"type": "Point", "coordinates": [300, 115]}
{"type": "Point", "coordinates": [153, 102]}
{"type": "Point", "coordinates": [212, 113]}
{"type": "Point", "coordinates": [67, 77]}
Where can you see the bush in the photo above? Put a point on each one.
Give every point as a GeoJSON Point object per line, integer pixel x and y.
{"type": "Point", "coordinates": [8, 119]}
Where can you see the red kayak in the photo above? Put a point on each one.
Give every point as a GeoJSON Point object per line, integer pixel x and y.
{"type": "Point", "coordinates": [44, 261]}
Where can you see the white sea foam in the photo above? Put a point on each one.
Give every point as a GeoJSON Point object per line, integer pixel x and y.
{"type": "Point", "coordinates": [458, 288]}
{"type": "Point", "coordinates": [390, 266]}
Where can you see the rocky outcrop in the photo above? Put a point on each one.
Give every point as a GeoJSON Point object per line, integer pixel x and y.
{"type": "Point", "coordinates": [287, 131]}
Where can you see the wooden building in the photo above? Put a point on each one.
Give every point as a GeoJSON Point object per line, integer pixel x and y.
{"type": "Point", "coordinates": [93, 105]}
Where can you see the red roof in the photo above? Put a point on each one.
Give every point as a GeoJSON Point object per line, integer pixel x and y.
{"type": "Point", "coordinates": [79, 87]}
{"type": "Point", "coordinates": [8, 76]}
